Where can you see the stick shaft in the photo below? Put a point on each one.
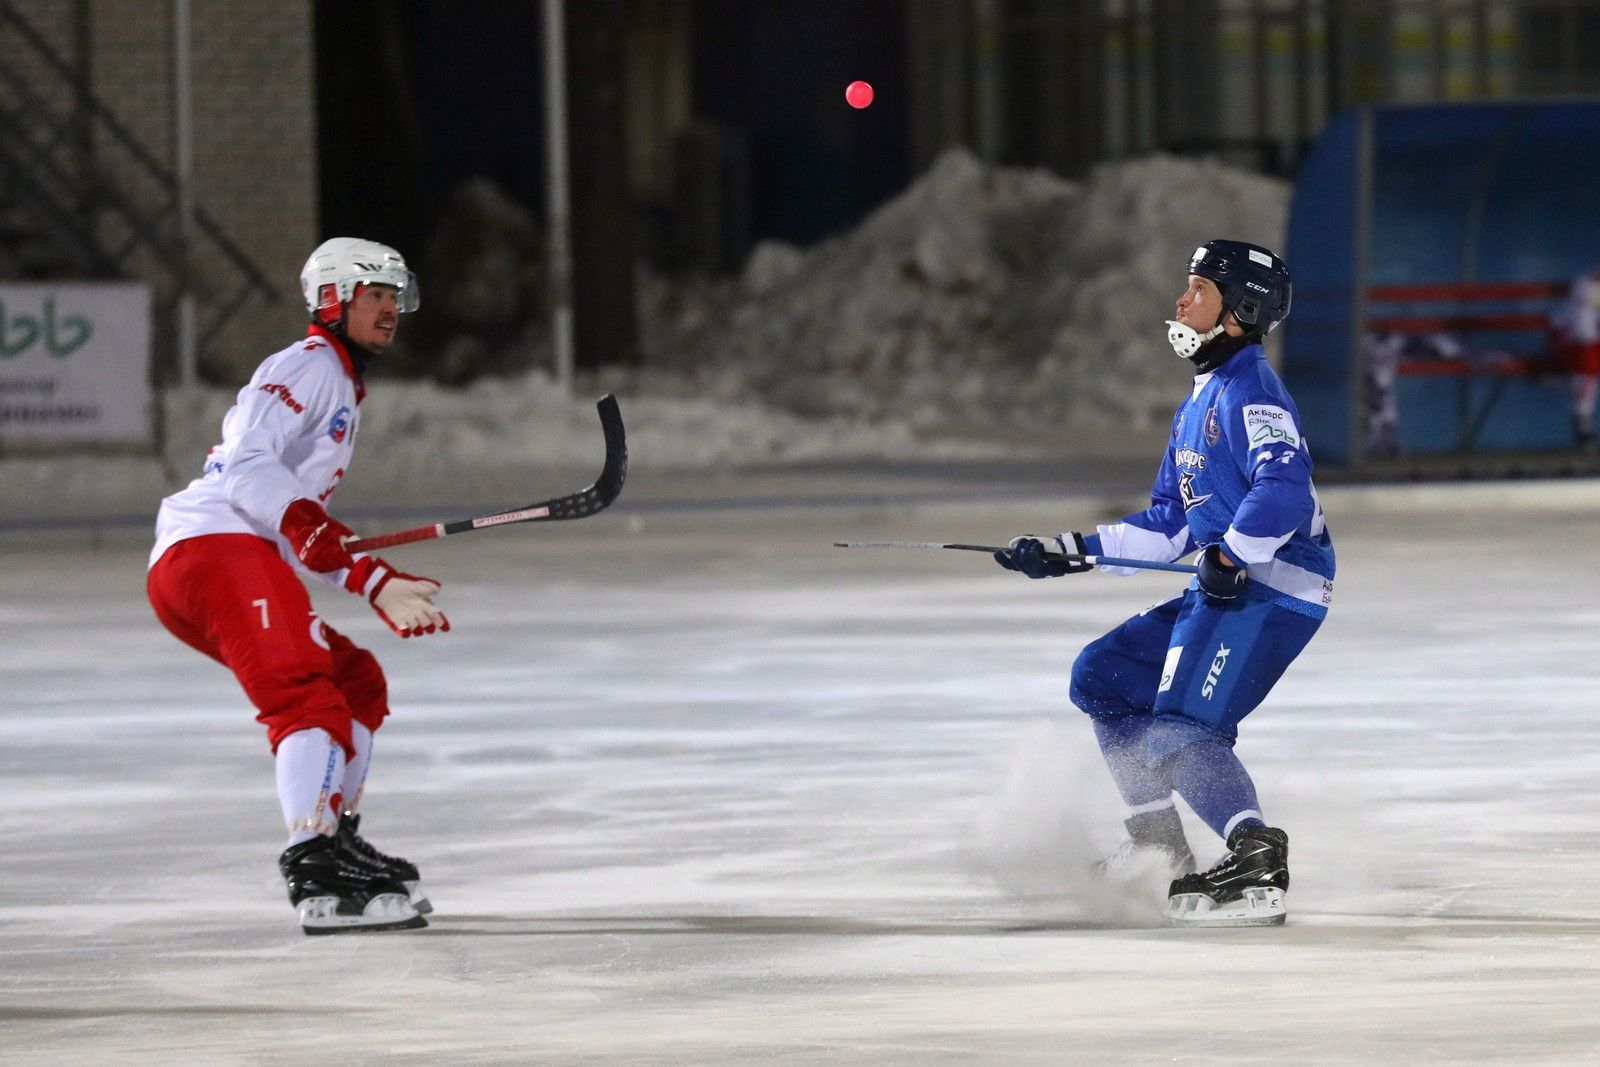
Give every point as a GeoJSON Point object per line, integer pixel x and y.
{"type": "Point", "coordinates": [597, 496]}
{"type": "Point", "coordinates": [1098, 561]}
{"type": "Point", "coordinates": [1137, 564]}
{"type": "Point", "coordinates": [399, 537]}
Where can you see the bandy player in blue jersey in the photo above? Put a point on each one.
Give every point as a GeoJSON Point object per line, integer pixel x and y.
{"type": "Point", "coordinates": [1167, 689]}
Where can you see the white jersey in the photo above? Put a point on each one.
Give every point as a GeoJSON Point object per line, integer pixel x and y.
{"type": "Point", "coordinates": [290, 435]}
{"type": "Point", "coordinates": [1579, 317]}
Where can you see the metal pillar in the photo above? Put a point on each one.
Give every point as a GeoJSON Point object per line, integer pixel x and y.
{"type": "Point", "coordinates": [183, 173]}
{"type": "Point", "coordinates": [558, 193]}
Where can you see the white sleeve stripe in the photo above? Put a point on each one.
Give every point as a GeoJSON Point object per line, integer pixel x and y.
{"type": "Point", "coordinates": [1248, 550]}
{"type": "Point", "coordinates": [373, 579]}
{"type": "Point", "coordinates": [1293, 581]}
{"type": "Point", "coordinates": [1135, 542]}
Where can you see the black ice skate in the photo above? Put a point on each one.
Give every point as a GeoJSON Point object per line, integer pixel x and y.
{"type": "Point", "coordinates": [335, 895]}
{"type": "Point", "coordinates": [403, 871]}
{"type": "Point", "coordinates": [1246, 888]}
{"type": "Point", "coordinates": [1155, 841]}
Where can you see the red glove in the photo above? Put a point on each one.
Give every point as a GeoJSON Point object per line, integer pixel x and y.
{"type": "Point", "coordinates": [316, 537]}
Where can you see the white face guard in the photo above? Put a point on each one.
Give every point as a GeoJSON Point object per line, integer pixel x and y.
{"type": "Point", "coordinates": [1185, 341]}
{"type": "Point", "coordinates": [408, 296]}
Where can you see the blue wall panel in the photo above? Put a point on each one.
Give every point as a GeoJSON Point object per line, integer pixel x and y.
{"type": "Point", "coordinates": [1321, 256]}
{"type": "Point", "coordinates": [1477, 193]}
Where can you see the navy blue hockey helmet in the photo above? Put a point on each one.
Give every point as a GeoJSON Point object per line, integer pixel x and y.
{"type": "Point", "coordinates": [1254, 282]}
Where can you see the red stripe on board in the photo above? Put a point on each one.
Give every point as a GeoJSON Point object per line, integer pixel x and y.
{"type": "Point", "coordinates": [1469, 291]}
{"type": "Point", "coordinates": [1456, 323]}
{"type": "Point", "coordinates": [1458, 368]}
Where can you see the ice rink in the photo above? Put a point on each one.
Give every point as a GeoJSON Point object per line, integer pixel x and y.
{"type": "Point", "coordinates": [687, 785]}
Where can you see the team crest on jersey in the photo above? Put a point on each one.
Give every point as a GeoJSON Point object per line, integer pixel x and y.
{"type": "Point", "coordinates": [339, 425]}
{"type": "Point", "coordinates": [1186, 491]}
{"type": "Point", "coordinates": [1213, 428]}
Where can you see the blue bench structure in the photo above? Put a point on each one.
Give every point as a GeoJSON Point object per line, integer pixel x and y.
{"type": "Point", "coordinates": [1462, 223]}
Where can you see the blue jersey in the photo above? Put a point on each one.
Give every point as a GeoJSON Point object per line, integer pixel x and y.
{"type": "Point", "coordinates": [1237, 472]}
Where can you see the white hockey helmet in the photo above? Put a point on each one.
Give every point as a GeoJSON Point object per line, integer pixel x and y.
{"type": "Point", "coordinates": [339, 264]}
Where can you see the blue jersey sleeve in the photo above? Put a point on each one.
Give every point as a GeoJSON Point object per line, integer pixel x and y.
{"type": "Point", "coordinates": [1265, 440]}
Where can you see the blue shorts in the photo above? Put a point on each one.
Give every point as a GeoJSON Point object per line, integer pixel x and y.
{"type": "Point", "coordinates": [1197, 665]}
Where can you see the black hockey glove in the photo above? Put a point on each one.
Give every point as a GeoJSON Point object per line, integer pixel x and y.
{"type": "Point", "coordinates": [1219, 580]}
{"type": "Point", "coordinates": [1032, 556]}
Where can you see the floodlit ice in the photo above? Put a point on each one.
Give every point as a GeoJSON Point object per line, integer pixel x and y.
{"type": "Point", "coordinates": [689, 786]}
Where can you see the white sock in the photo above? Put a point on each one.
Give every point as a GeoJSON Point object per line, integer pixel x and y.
{"type": "Point", "coordinates": [310, 766]}
{"type": "Point", "coordinates": [355, 772]}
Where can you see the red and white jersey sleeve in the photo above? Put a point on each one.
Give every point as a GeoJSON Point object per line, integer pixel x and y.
{"type": "Point", "coordinates": [290, 434]}
{"type": "Point", "coordinates": [1582, 311]}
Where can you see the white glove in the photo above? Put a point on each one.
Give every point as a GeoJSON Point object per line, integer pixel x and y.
{"type": "Point", "coordinates": [405, 602]}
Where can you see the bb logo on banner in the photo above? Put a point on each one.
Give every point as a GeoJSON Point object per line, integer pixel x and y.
{"type": "Point", "coordinates": [75, 362]}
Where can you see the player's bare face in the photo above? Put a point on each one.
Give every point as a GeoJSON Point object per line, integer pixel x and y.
{"type": "Point", "coordinates": [373, 317]}
{"type": "Point", "coordinates": [1200, 304]}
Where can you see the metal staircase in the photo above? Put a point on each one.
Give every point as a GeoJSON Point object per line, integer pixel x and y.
{"type": "Point", "coordinates": [81, 197]}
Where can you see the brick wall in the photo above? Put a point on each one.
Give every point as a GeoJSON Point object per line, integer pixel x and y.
{"type": "Point", "coordinates": [255, 166]}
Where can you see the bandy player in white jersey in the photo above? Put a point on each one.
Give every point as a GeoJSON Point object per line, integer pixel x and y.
{"type": "Point", "coordinates": [223, 578]}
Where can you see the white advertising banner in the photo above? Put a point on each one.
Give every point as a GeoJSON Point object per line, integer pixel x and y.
{"type": "Point", "coordinates": [75, 362]}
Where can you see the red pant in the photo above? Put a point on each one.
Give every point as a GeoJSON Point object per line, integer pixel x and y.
{"type": "Point", "coordinates": [1582, 357]}
{"type": "Point", "coordinates": [233, 597]}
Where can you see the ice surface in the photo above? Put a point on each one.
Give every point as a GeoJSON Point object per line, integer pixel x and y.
{"type": "Point", "coordinates": [689, 786]}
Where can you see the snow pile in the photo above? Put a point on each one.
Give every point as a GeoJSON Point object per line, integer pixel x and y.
{"type": "Point", "coordinates": [983, 307]}
{"type": "Point", "coordinates": [483, 284]}
{"type": "Point", "coordinates": [490, 441]}
{"type": "Point", "coordinates": [421, 430]}
{"type": "Point", "coordinates": [980, 296]}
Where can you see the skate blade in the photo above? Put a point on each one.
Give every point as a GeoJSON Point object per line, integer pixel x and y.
{"type": "Point", "coordinates": [386, 911]}
{"type": "Point", "coordinates": [1257, 907]}
{"type": "Point", "coordinates": [419, 900]}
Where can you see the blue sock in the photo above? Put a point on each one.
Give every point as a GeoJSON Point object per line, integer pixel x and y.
{"type": "Point", "coordinates": [1212, 781]}
{"type": "Point", "coordinates": [1122, 743]}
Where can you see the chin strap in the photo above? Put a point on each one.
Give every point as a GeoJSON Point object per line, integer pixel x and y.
{"type": "Point", "coordinates": [1185, 341]}
{"type": "Point", "coordinates": [360, 358]}
{"type": "Point", "coordinates": [1215, 354]}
